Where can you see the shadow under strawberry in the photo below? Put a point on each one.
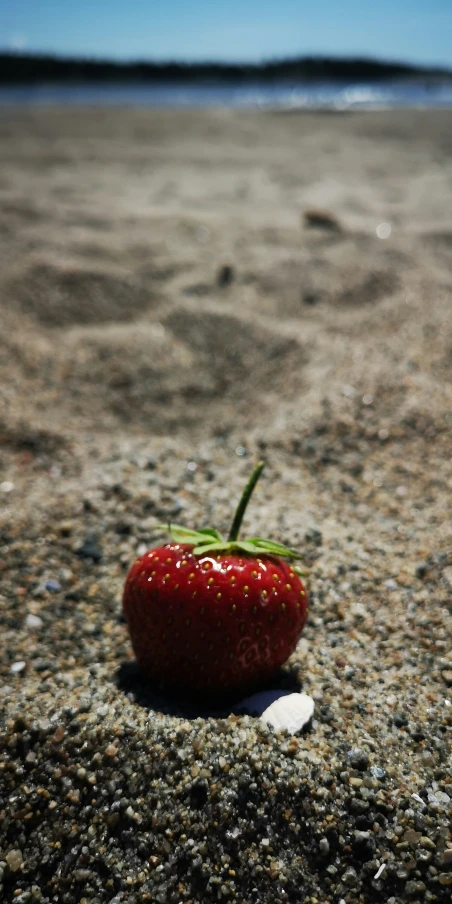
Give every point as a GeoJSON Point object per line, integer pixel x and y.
{"type": "Point", "coordinates": [133, 682]}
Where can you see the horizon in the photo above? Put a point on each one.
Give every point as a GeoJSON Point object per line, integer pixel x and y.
{"type": "Point", "coordinates": [247, 31]}
{"type": "Point", "coordinates": [206, 61]}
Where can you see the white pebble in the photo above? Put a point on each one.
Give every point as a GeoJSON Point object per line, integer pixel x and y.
{"type": "Point", "coordinates": [291, 712]}
{"type": "Point", "coordinates": [7, 486]}
{"type": "Point", "coordinates": [17, 667]}
{"type": "Point", "coordinates": [33, 622]}
{"type": "Point", "coordinates": [279, 709]}
{"type": "Point", "coordinates": [383, 230]}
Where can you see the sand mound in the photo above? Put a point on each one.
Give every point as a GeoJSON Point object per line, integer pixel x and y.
{"type": "Point", "coordinates": [191, 368]}
{"type": "Point", "coordinates": [59, 294]}
{"type": "Point", "coordinates": [237, 352]}
{"type": "Point", "coordinates": [345, 272]}
{"type": "Point", "coordinates": [24, 437]}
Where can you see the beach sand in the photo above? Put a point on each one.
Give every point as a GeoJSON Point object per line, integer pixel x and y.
{"type": "Point", "coordinates": [182, 293]}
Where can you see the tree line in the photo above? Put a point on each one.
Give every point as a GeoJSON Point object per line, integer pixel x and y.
{"type": "Point", "coordinates": [22, 68]}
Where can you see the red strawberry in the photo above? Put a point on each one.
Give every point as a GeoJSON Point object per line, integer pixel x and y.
{"type": "Point", "coordinates": [207, 614]}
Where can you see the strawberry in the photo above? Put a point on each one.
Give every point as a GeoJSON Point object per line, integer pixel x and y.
{"type": "Point", "coordinates": [211, 615]}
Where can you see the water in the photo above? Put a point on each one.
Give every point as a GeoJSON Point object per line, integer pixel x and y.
{"type": "Point", "coordinates": [282, 94]}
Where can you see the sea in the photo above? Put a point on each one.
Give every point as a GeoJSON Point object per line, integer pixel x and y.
{"type": "Point", "coordinates": [284, 95]}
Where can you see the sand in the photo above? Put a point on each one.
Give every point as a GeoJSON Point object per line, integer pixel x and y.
{"type": "Point", "coordinates": [182, 293]}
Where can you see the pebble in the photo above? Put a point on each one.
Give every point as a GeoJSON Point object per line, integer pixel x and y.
{"type": "Point", "coordinates": [359, 759]}
{"type": "Point", "coordinates": [14, 859]}
{"type": "Point", "coordinates": [313, 535]}
{"type": "Point", "coordinates": [290, 713]}
{"type": "Point", "coordinates": [33, 622]}
{"type": "Point", "coordinates": [321, 219]}
{"type": "Point", "coordinates": [225, 275]}
{"type": "Point", "coordinates": [350, 877]}
{"type": "Point", "coordinates": [6, 689]}
{"type": "Point", "coordinates": [18, 667]}
{"type": "Point", "coordinates": [53, 586]}
{"type": "Point", "coordinates": [90, 548]}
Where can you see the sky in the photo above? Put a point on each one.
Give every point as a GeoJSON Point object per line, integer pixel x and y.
{"type": "Point", "coordinates": [418, 31]}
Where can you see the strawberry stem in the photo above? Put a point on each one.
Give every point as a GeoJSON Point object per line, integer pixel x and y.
{"type": "Point", "coordinates": [246, 496]}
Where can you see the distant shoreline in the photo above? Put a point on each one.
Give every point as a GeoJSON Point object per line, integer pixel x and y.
{"type": "Point", "coordinates": [29, 69]}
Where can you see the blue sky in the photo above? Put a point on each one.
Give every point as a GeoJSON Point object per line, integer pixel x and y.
{"type": "Point", "coordinates": [413, 30]}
